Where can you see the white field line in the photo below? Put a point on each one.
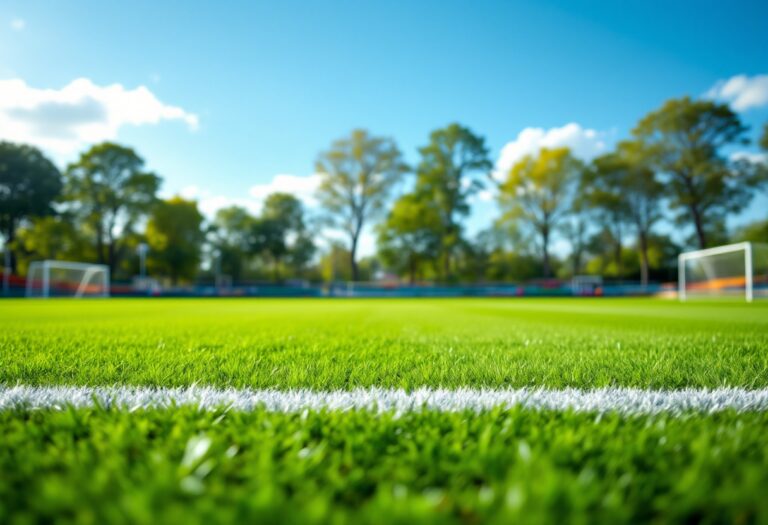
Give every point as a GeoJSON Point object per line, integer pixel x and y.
{"type": "Point", "coordinates": [621, 400]}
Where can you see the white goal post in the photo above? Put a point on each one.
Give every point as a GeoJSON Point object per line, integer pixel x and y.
{"type": "Point", "coordinates": [730, 270]}
{"type": "Point", "coordinates": [67, 279]}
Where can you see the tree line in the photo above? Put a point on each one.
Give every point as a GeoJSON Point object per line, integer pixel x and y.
{"type": "Point", "coordinates": [678, 166]}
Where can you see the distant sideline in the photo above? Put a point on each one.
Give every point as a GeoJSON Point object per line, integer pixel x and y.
{"type": "Point", "coordinates": [536, 288]}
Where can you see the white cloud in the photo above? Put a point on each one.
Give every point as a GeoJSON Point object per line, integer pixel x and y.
{"type": "Point", "coordinates": [585, 143]}
{"type": "Point", "coordinates": [741, 91]}
{"type": "Point", "coordinates": [209, 203]}
{"type": "Point", "coordinates": [302, 187]}
{"type": "Point", "coordinates": [750, 156]}
{"type": "Point", "coordinates": [18, 24]}
{"type": "Point", "coordinates": [65, 120]}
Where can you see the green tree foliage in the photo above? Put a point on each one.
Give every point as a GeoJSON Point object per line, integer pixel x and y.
{"type": "Point", "coordinates": [358, 175]}
{"type": "Point", "coordinates": [175, 238]}
{"type": "Point", "coordinates": [503, 252]}
{"type": "Point", "coordinates": [280, 235]}
{"type": "Point", "coordinates": [29, 185]}
{"type": "Point", "coordinates": [661, 253]}
{"type": "Point", "coordinates": [756, 231]}
{"type": "Point", "coordinates": [764, 138]}
{"type": "Point", "coordinates": [575, 228]}
{"type": "Point", "coordinates": [600, 191]}
{"type": "Point", "coordinates": [410, 236]}
{"type": "Point", "coordinates": [52, 237]}
{"type": "Point", "coordinates": [335, 264]}
{"type": "Point", "coordinates": [624, 188]}
{"type": "Point", "coordinates": [686, 139]}
{"type": "Point", "coordinates": [538, 194]}
{"type": "Point", "coordinates": [447, 175]}
{"type": "Point", "coordinates": [231, 232]}
{"type": "Point", "coordinates": [110, 190]}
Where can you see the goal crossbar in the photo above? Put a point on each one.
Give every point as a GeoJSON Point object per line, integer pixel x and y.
{"type": "Point", "coordinates": [89, 272]}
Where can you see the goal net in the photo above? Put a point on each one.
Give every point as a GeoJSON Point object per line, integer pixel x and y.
{"type": "Point", "coordinates": [67, 279]}
{"type": "Point", "coordinates": [733, 270]}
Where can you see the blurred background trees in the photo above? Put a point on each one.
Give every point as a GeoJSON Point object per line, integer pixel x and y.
{"type": "Point", "coordinates": [685, 140]}
{"type": "Point", "coordinates": [451, 169]}
{"type": "Point", "coordinates": [175, 238]}
{"type": "Point", "coordinates": [359, 174]}
{"type": "Point", "coordinates": [538, 194]}
{"type": "Point", "coordinates": [29, 185]}
{"type": "Point", "coordinates": [617, 216]}
{"type": "Point", "coordinates": [109, 192]}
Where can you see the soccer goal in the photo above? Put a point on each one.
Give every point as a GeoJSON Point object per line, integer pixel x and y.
{"type": "Point", "coordinates": [67, 279]}
{"type": "Point", "coordinates": [736, 270]}
{"type": "Point", "coordinates": [582, 285]}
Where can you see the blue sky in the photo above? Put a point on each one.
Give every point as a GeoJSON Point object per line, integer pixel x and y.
{"type": "Point", "coordinates": [239, 93]}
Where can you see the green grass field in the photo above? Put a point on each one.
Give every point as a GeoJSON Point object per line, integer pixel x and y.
{"type": "Point", "coordinates": [327, 344]}
{"type": "Point", "coordinates": [182, 465]}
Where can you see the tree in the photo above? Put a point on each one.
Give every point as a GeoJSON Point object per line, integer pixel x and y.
{"type": "Point", "coordinates": [756, 231]}
{"type": "Point", "coordinates": [51, 237]}
{"type": "Point", "coordinates": [175, 238]}
{"type": "Point", "coordinates": [410, 235]}
{"type": "Point", "coordinates": [600, 191]}
{"type": "Point", "coordinates": [764, 138]}
{"type": "Point", "coordinates": [280, 234]}
{"type": "Point", "coordinates": [505, 249]}
{"type": "Point", "coordinates": [231, 232]}
{"type": "Point", "coordinates": [29, 184]}
{"type": "Point", "coordinates": [335, 263]}
{"type": "Point", "coordinates": [538, 194]}
{"type": "Point", "coordinates": [662, 258]}
{"type": "Point", "coordinates": [575, 227]}
{"type": "Point", "coordinates": [268, 242]}
{"type": "Point", "coordinates": [358, 175]}
{"type": "Point", "coordinates": [445, 178]}
{"type": "Point", "coordinates": [623, 185]}
{"type": "Point", "coordinates": [112, 192]}
{"type": "Point", "coordinates": [686, 139]}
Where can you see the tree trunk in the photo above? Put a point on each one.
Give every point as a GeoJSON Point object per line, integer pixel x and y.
{"type": "Point", "coordinates": [100, 244]}
{"type": "Point", "coordinates": [10, 237]}
{"type": "Point", "coordinates": [699, 225]}
{"type": "Point", "coordinates": [545, 251]}
{"type": "Point", "coordinates": [111, 255]}
{"type": "Point", "coordinates": [617, 249]}
{"type": "Point", "coordinates": [643, 259]}
{"type": "Point", "coordinates": [698, 221]}
{"type": "Point", "coordinates": [411, 269]}
{"type": "Point", "coordinates": [352, 256]}
{"type": "Point", "coordinates": [576, 261]}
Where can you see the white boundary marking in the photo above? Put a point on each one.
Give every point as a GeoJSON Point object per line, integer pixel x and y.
{"type": "Point", "coordinates": [621, 400]}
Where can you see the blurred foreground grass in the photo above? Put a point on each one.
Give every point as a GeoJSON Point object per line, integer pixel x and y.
{"type": "Point", "coordinates": [184, 466]}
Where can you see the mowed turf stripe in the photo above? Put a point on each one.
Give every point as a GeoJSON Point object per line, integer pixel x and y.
{"type": "Point", "coordinates": [621, 400]}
